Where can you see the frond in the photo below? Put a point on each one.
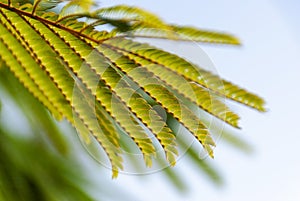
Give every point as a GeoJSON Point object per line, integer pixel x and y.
{"type": "Point", "coordinates": [198, 95]}
{"type": "Point", "coordinates": [140, 23]}
{"type": "Point", "coordinates": [64, 91]}
{"type": "Point", "coordinates": [155, 89]}
{"type": "Point", "coordinates": [194, 34]}
{"type": "Point", "coordinates": [104, 84]}
{"type": "Point", "coordinates": [189, 71]}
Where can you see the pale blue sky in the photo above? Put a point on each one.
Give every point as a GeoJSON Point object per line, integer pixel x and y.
{"type": "Point", "coordinates": [268, 64]}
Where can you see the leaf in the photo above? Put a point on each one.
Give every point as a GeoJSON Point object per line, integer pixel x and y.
{"type": "Point", "coordinates": [189, 71]}
{"type": "Point", "coordinates": [198, 95]}
{"type": "Point", "coordinates": [141, 23]}
{"type": "Point", "coordinates": [194, 34]}
{"type": "Point", "coordinates": [106, 85]}
{"type": "Point", "coordinates": [155, 88]}
{"type": "Point", "coordinates": [63, 83]}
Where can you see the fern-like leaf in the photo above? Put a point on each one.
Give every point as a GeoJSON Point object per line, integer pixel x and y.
{"type": "Point", "coordinates": [102, 82]}
{"type": "Point", "coordinates": [190, 71]}
{"type": "Point", "coordinates": [154, 87]}
{"type": "Point", "coordinates": [200, 96]}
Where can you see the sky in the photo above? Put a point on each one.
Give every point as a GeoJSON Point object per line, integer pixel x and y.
{"type": "Point", "coordinates": [268, 64]}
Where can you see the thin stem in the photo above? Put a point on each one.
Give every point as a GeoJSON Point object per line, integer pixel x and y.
{"type": "Point", "coordinates": [35, 6]}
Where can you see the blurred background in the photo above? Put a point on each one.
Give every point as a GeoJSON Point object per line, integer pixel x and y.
{"type": "Point", "coordinates": [267, 63]}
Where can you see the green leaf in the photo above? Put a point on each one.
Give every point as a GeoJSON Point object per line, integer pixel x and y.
{"type": "Point", "coordinates": [106, 85]}
{"type": "Point", "coordinates": [155, 88]}
{"type": "Point", "coordinates": [198, 95]}
{"type": "Point", "coordinates": [189, 71]}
